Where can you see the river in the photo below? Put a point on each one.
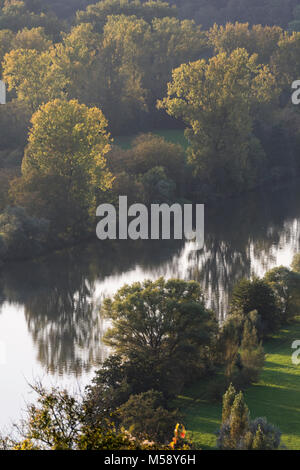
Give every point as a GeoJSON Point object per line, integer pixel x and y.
{"type": "Point", "coordinates": [50, 323]}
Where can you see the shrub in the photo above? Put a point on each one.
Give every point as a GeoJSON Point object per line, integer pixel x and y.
{"type": "Point", "coordinates": [286, 286]}
{"type": "Point", "coordinates": [146, 417]}
{"type": "Point", "coordinates": [154, 167]}
{"type": "Point", "coordinates": [21, 234]}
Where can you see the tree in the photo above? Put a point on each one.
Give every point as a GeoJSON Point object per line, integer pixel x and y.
{"type": "Point", "coordinates": [229, 342]}
{"type": "Point", "coordinates": [33, 77]}
{"type": "Point", "coordinates": [294, 25]}
{"type": "Point", "coordinates": [239, 420]}
{"type": "Point", "coordinates": [34, 38]}
{"type": "Point", "coordinates": [296, 263]}
{"type": "Point", "coordinates": [153, 167]}
{"type": "Point", "coordinates": [6, 38]}
{"type": "Point", "coordinates": [259, 39]}
{"type": "Point", "coordinates": [75, 60]}
{"type": "Point", "coordinates": [228, 399]}
{"type": "Point", "coordinates": [122, 93]}
{"type": "Point", "coordinates": [256, 294]}
{"type": "Point", "coordinates": [285, 60]}
{"type": "Point", "coordinates": [286, 285]}
{"type": "Point", "coordinates": [238, 432]}
{"type": "Point", "coordinates": [14, 124]}
{"type": "Point", "coordinates": [17, 14]}
{"type": "Point", "coordinates": [57, 422]}
{"type": "Point", "coordinates": [64, 167]}
{"type": "Point", "coordinates": [99, 13]}
{"type": "Point", "coordinates": [173, 42]}
{"type": "Point", "coordinates": [216, 99]}
{"type": "Point", "coordinates": [235, 420]}
{"type": "Point", "coordinates": [252, 354]}
{"type": "Point", "coordinates": [163, 327]}
{"type": "Point", "coordinates": [22, 235]}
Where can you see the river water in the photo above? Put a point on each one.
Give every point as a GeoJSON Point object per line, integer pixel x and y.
{"type": "Point", "coordinates": [50, 323]}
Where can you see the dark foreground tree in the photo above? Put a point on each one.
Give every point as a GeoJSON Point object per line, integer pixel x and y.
{"type": "Point", "coordinates": [58, 421]}
{"type": "Point", "coordinates": [163, 328]}
{"type": "Point", "coordinates": [256, 294]}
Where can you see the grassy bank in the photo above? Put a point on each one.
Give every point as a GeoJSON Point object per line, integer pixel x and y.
{"type": "Point", "coordinates": [175, 136]}
{"type": "Point", "coordinates": [276, 396]}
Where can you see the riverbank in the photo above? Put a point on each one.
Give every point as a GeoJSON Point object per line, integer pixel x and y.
{"type": "Point", "coordinates": [37, 249]}
{"type": "Point", "coordinates": [275, 396]}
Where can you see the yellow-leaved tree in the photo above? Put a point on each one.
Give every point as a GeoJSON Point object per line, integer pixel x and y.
{"type": "Point", "coordinates": [64, 168]}
{"type": "Point", "coordinates": [218, 100]}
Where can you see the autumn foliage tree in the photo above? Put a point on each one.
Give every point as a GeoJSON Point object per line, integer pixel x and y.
{"type": "Point", "coordinates": [64, 168]}
{"type": "Point", "coordinates": [216, 99]}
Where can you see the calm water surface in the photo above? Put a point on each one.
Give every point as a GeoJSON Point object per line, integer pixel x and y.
{"type": "Point", "coordinates": [50, 325]}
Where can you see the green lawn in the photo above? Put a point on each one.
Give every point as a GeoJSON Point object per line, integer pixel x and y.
{"type": "Point", "coordinates": [276, 396]}
{"type": "Point", "coordinates": [173, 135]}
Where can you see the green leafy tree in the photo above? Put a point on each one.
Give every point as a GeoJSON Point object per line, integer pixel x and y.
{"type": "Point", "coordinates": [286, 285]}
{"type": "Point", "coordinates": [54, 422]}
{"type": "Point", "coordinates": [57, 422]}
{"type": "Point", "coordinates": [163, 327]}
{"type": "Point", "coordinates": [146, 417]}
{"type": "Point", "coordinates": [173, 42]}
{"type": "Point", "coordinates": [21, 234]}
{"type": "Point", "coordinates": [256, 294]}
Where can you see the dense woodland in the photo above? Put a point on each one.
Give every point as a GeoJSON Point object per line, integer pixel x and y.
{"type": "Point", "coordinates": [79, 76]}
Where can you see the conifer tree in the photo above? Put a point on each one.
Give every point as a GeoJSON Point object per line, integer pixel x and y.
{"type": "Point", "coordinates": [228, 400]}
{"type": "Point", "coordinates": [258, 441]}
{"type": "Point", "coordinates": [252, 353]}
{"type": "Point", "coordinates": [239, 420]}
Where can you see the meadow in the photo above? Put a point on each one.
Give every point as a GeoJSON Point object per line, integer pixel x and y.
{"type": "Point", "coordinates": [275, 396]}
{"type": "Point", "coordinates": [175, 136]}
